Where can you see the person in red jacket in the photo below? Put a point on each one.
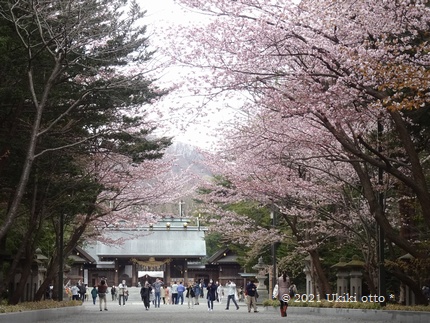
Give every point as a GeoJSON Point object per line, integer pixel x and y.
{"type": "Point", "coordinates": [102, 290]}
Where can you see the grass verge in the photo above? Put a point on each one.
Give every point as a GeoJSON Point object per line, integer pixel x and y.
{"type": "Point", "coordinates": [31, 306]}
{"type": "Point", "coordinates": [352, 305]}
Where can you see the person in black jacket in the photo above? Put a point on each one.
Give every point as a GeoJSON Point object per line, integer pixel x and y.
{"type": "Point", "coordinates": [190, 295]}
{"type": "Point", "coordinates": [251, 292]}
{"type": "Point", "coordinates": [211, 294]}
{"type": "Point", "coordinates": [145, 293]}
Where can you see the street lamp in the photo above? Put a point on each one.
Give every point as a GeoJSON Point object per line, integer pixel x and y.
{"type": "Point", "coordinates": [382, 287]}
{"type": "Point", "coordinates": [273, 217]}
{"type": "Point", "coordinates": [181, 212]}
{"type": "Point", "coordinates": [60, 258]}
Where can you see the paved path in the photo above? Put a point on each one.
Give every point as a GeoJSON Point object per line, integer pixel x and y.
{"type": "Point", "coordinates": [134, 311]}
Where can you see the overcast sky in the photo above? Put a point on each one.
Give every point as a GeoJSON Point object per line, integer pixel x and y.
{"type": "Point", "coordinates": [187, 128]}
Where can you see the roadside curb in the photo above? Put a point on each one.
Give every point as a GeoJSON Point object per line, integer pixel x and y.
{"type": "Point", "coordinates": [39, 315]}
{"type": "Point", "coordinates": [371, 315]}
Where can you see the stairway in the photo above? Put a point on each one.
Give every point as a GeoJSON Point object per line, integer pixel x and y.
{"type": "Point", "coordinates": [134, 295]}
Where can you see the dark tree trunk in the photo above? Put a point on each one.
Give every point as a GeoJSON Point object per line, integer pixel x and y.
{"type": "Point", "coordinates": [321, 278]}
{"type": "Point", "coordinates": [413, 285]}
{"type": "Point", "coordinates": [16, 297]}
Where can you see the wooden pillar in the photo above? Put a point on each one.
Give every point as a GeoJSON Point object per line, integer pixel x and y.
{"type": "Point", "coordinates": [167, 278]}
{"type": "Point", "coordinates": [116, 272]}
{"type": "Point", "coordinates": [185, 272]}
{"type": "Point", "coordinates": [134, 275]}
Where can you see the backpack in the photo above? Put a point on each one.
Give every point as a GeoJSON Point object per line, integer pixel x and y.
{"type": "Point", "coordinates": [291, 291]}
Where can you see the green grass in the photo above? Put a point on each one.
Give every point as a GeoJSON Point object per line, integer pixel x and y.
{"type": "Point", "coordinates": [31, 306]}
{"type": "Point", "coordinates": [352, 305]}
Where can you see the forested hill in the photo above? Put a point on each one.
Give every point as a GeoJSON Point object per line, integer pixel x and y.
{"type": "Point", "coordinates": [188, 157]}
{"type": "Point", "coordinates": [189, 163]}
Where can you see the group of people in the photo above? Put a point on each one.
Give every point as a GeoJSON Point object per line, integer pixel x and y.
{"type": "Point", "coordinates": [101, 291]}
{"type": "Point", "coordinates": [77, 292]}
{"type": "Point", "coordinates": [153, 293]}
{"type": "Point", "coordinates": [177, 293]}
{"type": "Point", "coordinates": [156, 293]}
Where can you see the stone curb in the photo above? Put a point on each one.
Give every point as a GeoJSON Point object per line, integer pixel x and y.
{"type": "Point", "coordinates": [39, 315]}
{"type": "Point", "coordinates": [371, 315]}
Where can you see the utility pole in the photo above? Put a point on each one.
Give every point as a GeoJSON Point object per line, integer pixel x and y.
{"type": "Point", "coordinates": [181, 211]}
{"type": "Point", "coordinates": [60, 259]}
{"type": "Point", "coordinates": [274, 278]}
{"type": "Point", "coordinates": [382, 288]}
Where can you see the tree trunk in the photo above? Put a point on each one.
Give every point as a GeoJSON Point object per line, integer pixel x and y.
{"type": "Point", "coordinates": [414, 286]}
{"type": "Point", "coordinates": [16, 297]}
{"type": "Point", "coordinates": [51, 272]}
{"type": "Point", "coordinates": [379, 215]}
{"type": "Point", "coordinates": [420, 187]}
{"type": "Point", "coordinates": [370, 282]}
{"type": "Point", "coordinates": [321, 278]}
{"type": "Point", "coordinates": [39, 106]}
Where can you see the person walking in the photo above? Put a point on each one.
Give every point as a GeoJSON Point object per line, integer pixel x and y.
{"type": "Point", "coordinates": [220, 292]}
{"type": "Point", "coordinates": [197, 291]}
{"type": "Point", "coordinates": [168, 292]}
{"type": "Point", "coordinates": [87, 292]}
{"type": "Point", "coordinates": [211, 294]}
{"type": "Point", "coordinates": [145, 294]}
{"type": "Point", "coordinates": [275, 291]}
{"type": "Point", "coordinates": [283, 291]}
{"type": "Point", "coordinates": [152, 297]}
{"type": "Point", "coordinates": [75, 292]}
{"type": "Point", "coordinates": [113, 292]}
{"type": "Point", "coordinates": [157, 292]}
{"type": "Point", "coordinates": [181, 290]}
{"type": "Point", "coordinates": [94, 293]}
{"type": "Point", "coordinates": [174, 293]}
{"type": "Point", "coordinates": [163, 294]}
{"type": "Point", "coordinates": [82, 291]}
{"type": "Point", "coordinates": [190, 295]}
{"type": "Point", "coordinates": [251, 292]}
{"type": "Point", "coordinates": [231, 294]}
{"type": "Point", "coordinates": [102, 289]}
{"type": "Point", "coordinates": [122, 291]}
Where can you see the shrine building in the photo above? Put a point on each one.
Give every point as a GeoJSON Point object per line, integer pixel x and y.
{"type": "Point", "coordinates": [172, 249]}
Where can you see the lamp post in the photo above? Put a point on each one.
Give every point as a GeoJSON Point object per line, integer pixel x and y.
{"type": "Point", "coordinates": [181, 211]}
{"type": "Point", "coordinates": [273, 217]}
{"type": "Point", "coordinates": [60, 258]}
{"type": "Point", "coordinates": [382, 288]}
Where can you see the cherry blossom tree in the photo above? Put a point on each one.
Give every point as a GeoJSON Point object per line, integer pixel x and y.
{"type": "Point", "coordinates": [349, 71]}
{"type": "Point", "coordinates": [307, 191]}
{"type": "Point", "coordinates": [128, 193]}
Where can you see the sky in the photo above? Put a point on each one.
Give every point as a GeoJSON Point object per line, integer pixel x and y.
{"type": "Point", "coordinates": [187, 128]}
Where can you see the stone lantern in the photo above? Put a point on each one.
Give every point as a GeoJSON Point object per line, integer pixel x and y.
{"type": "Point", "coordinates": [261, 268]}
{"type": "Point", "coordinates": [407, 297]}
{"type": "Point", "coordinates": [342, 276]}
{"type": "Point", "coordinates": [355, 276]}
{"type": "Point", "coordinates": [311, 285]}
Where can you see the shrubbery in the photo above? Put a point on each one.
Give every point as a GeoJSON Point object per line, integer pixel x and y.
{"type": "Point", "coordinates": [352, 305]}
{"type": "Point", "coordinates": [31, 306]}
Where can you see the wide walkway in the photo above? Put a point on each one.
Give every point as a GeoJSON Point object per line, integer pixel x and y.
{"type": "Point", "coordinates": [134, 311]}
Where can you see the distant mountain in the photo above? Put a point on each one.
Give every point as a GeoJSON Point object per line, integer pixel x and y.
{"type": "Point", "coordinates": [188, 157]}
{"type": "Point", "coordinates": [189, 161]}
